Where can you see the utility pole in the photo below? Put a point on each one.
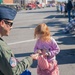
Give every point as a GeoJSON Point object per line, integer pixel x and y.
{"type": "Point", "coordinates": [24, 4]}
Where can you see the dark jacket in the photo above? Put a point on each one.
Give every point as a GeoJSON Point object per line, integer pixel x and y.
{"type": "Point", "coordinates": [69, 6]}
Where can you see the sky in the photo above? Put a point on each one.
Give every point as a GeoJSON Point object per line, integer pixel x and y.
{"type": "Point", "coordinates": [61, 0]}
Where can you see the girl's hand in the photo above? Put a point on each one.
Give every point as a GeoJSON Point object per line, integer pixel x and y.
{"type": "Point", "coordinates": [39, 51]}
{"type": "Point", "coordinates": [46, 53]}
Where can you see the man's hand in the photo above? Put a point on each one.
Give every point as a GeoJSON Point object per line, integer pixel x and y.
{"type": "Point", "coordinates": [35, 56]}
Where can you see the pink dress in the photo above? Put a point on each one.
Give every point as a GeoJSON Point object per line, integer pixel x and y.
{"type": "Point", "coordinates": [54, 49]}
{"type": "Point", "coordinates": [52, 70]}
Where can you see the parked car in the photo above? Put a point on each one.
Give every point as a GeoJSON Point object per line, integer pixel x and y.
{"type": "Point", "coordinates": [30, 6]}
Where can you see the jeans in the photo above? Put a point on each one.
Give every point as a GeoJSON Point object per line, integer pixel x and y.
{"type": "Point", "coordinates": [69, 15]}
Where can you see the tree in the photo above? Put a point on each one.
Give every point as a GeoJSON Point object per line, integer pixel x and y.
{"type": "Point", "coordinates": [1, 1]}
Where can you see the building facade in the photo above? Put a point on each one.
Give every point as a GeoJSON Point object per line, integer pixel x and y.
{"type": "Point", "coordinates": [6, 1]}
{"type": "Point", "coordinates": [24, 2]}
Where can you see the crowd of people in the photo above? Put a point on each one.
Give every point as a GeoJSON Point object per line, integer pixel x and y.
{"type": "Point", "coordinates": [68, 8]}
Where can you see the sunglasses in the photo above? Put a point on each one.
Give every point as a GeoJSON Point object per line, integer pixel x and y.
{"type": "Point", "coordinates": [8, 23]}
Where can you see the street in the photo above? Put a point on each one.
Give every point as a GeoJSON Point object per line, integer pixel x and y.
{"type": "Point", "coordinates": [21, 38]}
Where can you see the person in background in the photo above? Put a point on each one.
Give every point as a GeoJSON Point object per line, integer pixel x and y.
{"type": "Point", "coordinates": [69, 8]}
{"type": "Point", "coordinates": [65, 12]}
{"type": "Point", "coordinates": [58, 7]}
{"type": "Point", "coordinates": [73, 10]}
{"type": "Point", "coordinates": [47, 48]}
{"type": "Point", "coordinates": [63, 7]}
{"type": "Point", "coordinates": [8, 63]}
{"type": "Point", "coordinates": [61, 10]}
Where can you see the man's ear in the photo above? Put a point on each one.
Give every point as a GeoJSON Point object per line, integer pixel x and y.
{"type": "Point", "coordinates": [2, 23]}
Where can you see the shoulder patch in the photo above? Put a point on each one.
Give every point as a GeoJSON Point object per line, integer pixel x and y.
{"type": "Point", "coordinates": [13, 62]}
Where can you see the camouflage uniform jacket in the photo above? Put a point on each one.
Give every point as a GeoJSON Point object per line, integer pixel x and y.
{"type": "Point", "coordinates": [5, 66]}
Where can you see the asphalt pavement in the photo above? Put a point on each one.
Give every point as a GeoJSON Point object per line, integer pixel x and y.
{"type": "Point", "coordinates": [21, 39]}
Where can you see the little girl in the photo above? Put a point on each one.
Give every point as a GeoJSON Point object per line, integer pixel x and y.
{"type": "Point", "coordinates": [47, 48]}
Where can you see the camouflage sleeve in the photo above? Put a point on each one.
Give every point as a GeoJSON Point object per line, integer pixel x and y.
{"type": "Point", "coordinates": [22, 66]}
{"type": "Point", "coordinates": [5, 66]}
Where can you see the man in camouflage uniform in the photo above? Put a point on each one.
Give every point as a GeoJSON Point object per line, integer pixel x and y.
{"type": "Point", "coordinates": [8, 63]}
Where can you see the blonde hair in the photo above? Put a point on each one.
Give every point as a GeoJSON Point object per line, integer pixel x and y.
{"type": "Point", "coordinates": [43, 30]}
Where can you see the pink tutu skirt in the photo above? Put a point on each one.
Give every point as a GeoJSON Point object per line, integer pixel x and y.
{"type": "Point", "coordinates": [52, 70]}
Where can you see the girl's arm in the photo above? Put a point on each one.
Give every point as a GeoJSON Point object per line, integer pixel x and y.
{"type": "Point", "coordinates": [55, 48]}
